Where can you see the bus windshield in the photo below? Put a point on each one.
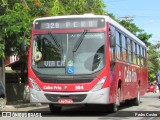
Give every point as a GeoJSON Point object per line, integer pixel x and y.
{"type": "Point", "coordinates": [54, 53]}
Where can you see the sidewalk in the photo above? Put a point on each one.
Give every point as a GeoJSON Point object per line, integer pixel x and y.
{"type": "Point", "coordinates": [22, 107]}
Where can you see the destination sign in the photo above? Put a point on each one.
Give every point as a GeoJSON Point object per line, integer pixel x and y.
{"type": "Point", "coordinates": [51, 64]}
{"type": "Point", "coordinates": [70, 23]}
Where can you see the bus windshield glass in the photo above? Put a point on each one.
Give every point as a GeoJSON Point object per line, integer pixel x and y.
{"type": "Point", "coordinates": [54, 53]}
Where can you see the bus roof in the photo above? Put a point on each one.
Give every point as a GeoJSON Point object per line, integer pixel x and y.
{"type": "Point", "coordinates": [107, 19]}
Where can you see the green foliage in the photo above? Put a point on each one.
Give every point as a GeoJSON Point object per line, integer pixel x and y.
{"type": "Point", "coordinates": [152, 77]}
{"type": "Point", "coordinates": [15, 20]}
{"type": "Point", "coordinates": [13, 24]}
{"type": "Point", "coordinates": [113, 17]}
{"type": "Point", "coordinates": [145, 37]}
{"type": "Point", "coordinates": [68, 7]}
{"type": "Point", "coordinates": [130, 26]}
{"type": "Point", "coordinates": [38, 8]}
{"type": "Point", "coordinates": [153, 61]}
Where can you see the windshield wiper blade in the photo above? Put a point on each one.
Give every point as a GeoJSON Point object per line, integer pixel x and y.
{"type": "Point", "coordinates": [55, 41]}
{"type": "Point", "coordinates": [78, 43]}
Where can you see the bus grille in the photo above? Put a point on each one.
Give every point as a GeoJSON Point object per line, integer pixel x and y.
{"type": "Point", "coordinates": [74, 97]}
{"type": "Point", "coordinates": [66, 81]}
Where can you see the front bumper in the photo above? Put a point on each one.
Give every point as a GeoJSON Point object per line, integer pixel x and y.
{"type": "Point", "coordinates": [96, 97]}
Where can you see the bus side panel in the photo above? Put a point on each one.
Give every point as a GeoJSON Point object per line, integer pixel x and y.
{"type": "Point", "coordinates": [106, 71]}
{"type": "Point", "coordinates": [118, 78]}
{"type": "Point", "coordinates": [144, 81]}
{"type": "Point", "coordinates": [113, 83]}
{"type": "Point", "coordinates": [129, 76]}
{"type": "Point", "coordinates": [111, 74]}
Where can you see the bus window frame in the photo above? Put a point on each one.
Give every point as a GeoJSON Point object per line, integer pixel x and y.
{"type": "Point", "coordinates": [133, 50]}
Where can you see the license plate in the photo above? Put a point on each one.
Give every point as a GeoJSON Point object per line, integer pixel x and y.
{"type": "Point", "coordinates": [65, 101]}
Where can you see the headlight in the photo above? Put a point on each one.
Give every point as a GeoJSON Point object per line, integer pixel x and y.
{"type": "Point", "coordinates": [99, 85]}
{"type": "Point", "coordinates": [34, 84]}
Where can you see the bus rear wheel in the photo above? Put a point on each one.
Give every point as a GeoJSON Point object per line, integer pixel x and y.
{"type": "Point", "coordinates": [54, 108]}
{"type": "Point", "coordinates": [136, 101]}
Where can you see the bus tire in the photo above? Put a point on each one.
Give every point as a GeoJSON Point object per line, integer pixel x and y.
{"type": "Point", "coordinates": [54, 108]}
{"type": "Point", "coordinates": [136, 101]}
{"type": "Point", "coordinates": [114, 106]}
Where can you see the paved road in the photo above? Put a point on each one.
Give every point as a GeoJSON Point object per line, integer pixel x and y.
{"type": "Point", "coordinates": [150, 106]}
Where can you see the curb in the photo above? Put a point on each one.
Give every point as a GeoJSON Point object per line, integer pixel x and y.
{"type": "Point", "coordinates": [23, 105]}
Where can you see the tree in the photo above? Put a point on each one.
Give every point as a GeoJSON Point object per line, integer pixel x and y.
{"type": "Point", "coordinates": [68, 7]}
{"type": "Point", "coordinates": [145, 37]}
{"type": "Point", "coordinates": [153, 61]}
{"type": "Point", "coordinates": [130, 26]}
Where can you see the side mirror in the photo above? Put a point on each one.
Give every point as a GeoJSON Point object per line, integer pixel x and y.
{"type": "Point", "coordinates": [24, 46]}
{"type": "Point", "coordinates": [112, 40]}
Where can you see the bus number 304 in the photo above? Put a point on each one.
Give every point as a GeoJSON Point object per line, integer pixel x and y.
{"type": "Point", "coordinates": [79, 87]}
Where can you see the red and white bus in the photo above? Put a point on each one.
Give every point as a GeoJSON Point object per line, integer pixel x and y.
{"type": "Point", "coordinates": [85, 59]}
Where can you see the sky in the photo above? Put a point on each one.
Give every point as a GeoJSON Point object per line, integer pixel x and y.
{"type": "Point", "coordinates": [145, 14]}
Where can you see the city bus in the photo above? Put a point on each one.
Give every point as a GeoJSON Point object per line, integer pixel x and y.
{"type": "Point", "coordinates": [85, 60]}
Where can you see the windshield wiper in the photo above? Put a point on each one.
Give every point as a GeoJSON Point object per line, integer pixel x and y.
{"type": "Point", "coordinates": [55, 41]}
{"type": "Point", "coordinates": [79, 41]}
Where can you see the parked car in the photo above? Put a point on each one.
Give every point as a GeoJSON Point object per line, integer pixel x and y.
{"type": "Point", "coordinates": [2, 96]}
{"type": "Point", "coordinates": [151, 87]}
{"type": "Point", "coordinates": [157, 89]}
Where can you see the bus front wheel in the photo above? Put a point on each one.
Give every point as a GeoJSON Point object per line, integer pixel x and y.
{"type": "Point", "coordinates": [54, 108]}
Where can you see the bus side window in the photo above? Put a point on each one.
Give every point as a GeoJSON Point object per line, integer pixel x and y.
{"type": "Point", "coordinates": [129, 51]}
{"type": "Point", "coordinates": [118, 46]}
{"type": "Point", "coordinates": [111, 38]}
{"type": "Point", "coordinates": [124, 47]}
{"type": "Point", "coordinates": [112, 42]}
{"type": "Point", "coordinates": [134, 53]}
{"type": "Point", "coordinates": [141, 56]}
{"type": "Point", "coordinates": [138, 54]}
{"type": "Point", "coordinates": [145, 57]}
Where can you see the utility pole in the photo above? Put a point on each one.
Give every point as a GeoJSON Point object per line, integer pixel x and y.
{"type": "Point", "coordinates": [127, 18]}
